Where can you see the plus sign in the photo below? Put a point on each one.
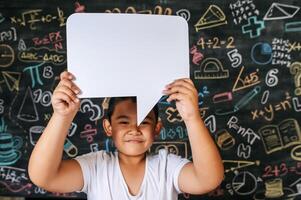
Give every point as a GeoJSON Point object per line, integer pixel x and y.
{"type": "Point", "coordinates": [173, 115]}
{"type": "Point", "coordinates": [253, 27]}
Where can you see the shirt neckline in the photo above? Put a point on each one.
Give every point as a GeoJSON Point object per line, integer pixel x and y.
{"type": "Point", "coordinates": [124, 182]}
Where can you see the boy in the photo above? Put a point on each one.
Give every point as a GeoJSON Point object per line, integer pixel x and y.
{"type": "Point", "coordinates": [128, 173]}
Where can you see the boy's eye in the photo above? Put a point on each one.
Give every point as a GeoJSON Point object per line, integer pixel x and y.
{"type": "Point", "coordinates": [123, 122]}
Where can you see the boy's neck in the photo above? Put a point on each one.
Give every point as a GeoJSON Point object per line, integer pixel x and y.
{"type": "Point", "coordinates": [131, 160]}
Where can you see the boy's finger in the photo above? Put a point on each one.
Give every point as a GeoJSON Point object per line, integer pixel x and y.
{"type": "Point", "coordinates": [183, 79]}
{"type": "Point", "coordinates": [175, 97]}
{"type": "Point", "coordinates": [69, 92]}
{"type": "Point", "coordinates": [71, 85]}
{"type": "Point", "coordinates": [62, 96]}
{"type": "Point", "coordinates": [66, 75]}
{"type": "Point", "coordinates": [187, 79]}
{"type": "Point", "coordinates": [182, 83]}
{"type": "Point", "coordinates": [178, 89]}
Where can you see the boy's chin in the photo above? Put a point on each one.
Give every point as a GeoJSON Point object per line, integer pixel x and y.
{"type": "Point", "coordinates": [133, 152]}
{"type": "Point", "coordinates": [133, 149]}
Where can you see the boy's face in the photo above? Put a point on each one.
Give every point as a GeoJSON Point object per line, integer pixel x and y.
{"type": "Point", "coordinates": [130, 139]}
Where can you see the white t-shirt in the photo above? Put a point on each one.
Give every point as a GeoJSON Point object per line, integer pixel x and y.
{"type": "Point", "coordinates": [103, 179]}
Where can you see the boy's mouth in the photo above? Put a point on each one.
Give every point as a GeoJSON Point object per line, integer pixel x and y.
{"type": "Point", "coordinates": [134, 140]}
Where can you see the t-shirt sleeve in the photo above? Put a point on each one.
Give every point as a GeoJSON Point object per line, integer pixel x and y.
{"type": "Point", "coordinates": [87, 163]}
{"type": "Point", "coordinates": [174, 165]}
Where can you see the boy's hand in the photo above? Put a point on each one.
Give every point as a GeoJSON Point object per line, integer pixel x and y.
{"type": "Point", "coordinates": [185, 94]}
{"type": "Point", "coordinates": [64, 100]}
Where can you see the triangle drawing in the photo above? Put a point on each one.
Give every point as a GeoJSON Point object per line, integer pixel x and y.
{"type": "Point", "coordinates": [281, 11]}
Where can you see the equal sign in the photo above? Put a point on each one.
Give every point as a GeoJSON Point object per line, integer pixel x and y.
{"type": "Point", "coordinates": [293, 26]}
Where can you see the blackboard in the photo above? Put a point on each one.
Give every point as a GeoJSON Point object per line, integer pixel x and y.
{"type": "Point", "coordinates": [244, 61]}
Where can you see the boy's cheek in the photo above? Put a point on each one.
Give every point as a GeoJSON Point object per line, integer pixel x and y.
{"type": "Point", "coordinates": [148, 130]}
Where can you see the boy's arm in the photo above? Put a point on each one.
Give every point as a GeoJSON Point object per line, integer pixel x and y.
{"type": "Point", "coordinates": [207, 171]}
{"type": "Point", "coordinates": [46, 168]}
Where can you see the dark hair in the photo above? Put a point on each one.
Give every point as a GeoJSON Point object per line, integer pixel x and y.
{"type": "Point", "coordinates": [115, 100]}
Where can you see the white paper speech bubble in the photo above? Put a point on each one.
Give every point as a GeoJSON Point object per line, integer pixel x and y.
{"type": "Point", "coordinates": [115, 55]}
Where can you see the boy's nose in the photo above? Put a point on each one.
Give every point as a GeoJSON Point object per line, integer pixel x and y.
{"type": "Point", "coordinates": [135, 130]}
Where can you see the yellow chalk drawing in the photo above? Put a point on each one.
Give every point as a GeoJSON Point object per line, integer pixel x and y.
{"type": "Point", "coordinates": [239, 164]}
{"type": "Point", "coordinates": [248, 81]}
{"type": "Point", "coordinates": [12, 80]}
{"type": "Point", "coordinates": [211, 68]}
{"type": "Point", "coordinates": [213, 17]}
{"type": "Point", "coordinates": [278, 137]}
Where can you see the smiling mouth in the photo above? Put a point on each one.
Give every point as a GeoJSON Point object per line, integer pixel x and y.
{"type": "Point", "coordinates": [135, 141]}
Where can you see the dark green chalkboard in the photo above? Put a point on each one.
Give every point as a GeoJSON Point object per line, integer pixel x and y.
{"type": "Point", "coordinates": [244, 61]}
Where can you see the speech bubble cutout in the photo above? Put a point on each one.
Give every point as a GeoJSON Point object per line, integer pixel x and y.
{"type": "Point", "coordinates": [116, 55]}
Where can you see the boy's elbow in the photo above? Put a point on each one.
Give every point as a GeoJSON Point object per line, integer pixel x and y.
{"type": "Point", "coordinates": [211, 186]}
{"type": "Point", "coordinates": [31, 174]}
{"type": "Point", "coordinates": [215, 180]}
{"type": "Point", "coordinates": [35, 177]}
{"type": "Point", "coordinates": [219, 177]}
{"type": "Point", "coordinates": [219, 180]}
{"type": "Point", "coordinates": [39, 182]}
{"type": "Point", "coordinates": [220, 174]}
